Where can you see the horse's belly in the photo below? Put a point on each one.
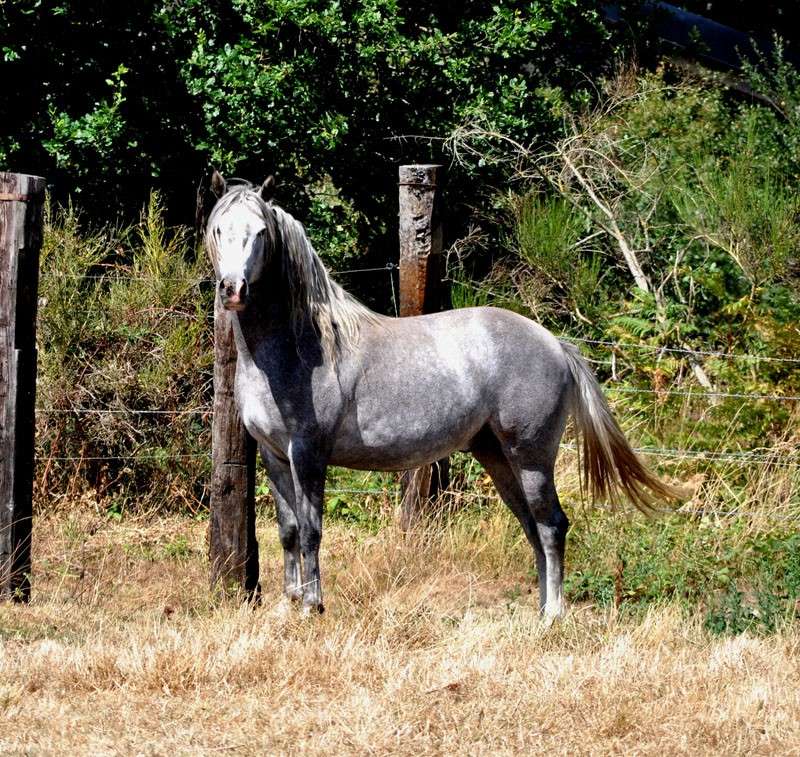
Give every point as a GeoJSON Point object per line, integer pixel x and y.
{"type": "Point", "coordinates": [398, 441]}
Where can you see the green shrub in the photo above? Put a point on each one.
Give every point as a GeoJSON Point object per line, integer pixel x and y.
{"type": "Point", "coordinates": [668, 218]}
{"type": "Point", "coordinates": [310, 90]}
{"type": "Point", "coordinates": [739, 578]}
{"type": "Point", "coordinates": [124, 329]}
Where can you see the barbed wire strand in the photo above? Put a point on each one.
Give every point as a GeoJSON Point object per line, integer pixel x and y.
{"type": "Point", "coordinates": [741, 456]}
{"type": "Point", "coordinates": [689, 513]}
{"type": "Point", "coordinates": [388, 267]}
{"type": "Point", "coordinates": [606, 387]}
{"type": "Point", "coordinates": [118, 411]}
{"type": "Point", "coordinates": [114, 275]}
{"type": "Point", "coordinates": [683, 350]}
{"type": "Point", "coordinates": [389, 490]}
{"type": "Point", "coordinates": [98, 458]}
{"type": "Point", "coordinates": [679, 350]}
{"type": "Point", "coordinates": [394, 296]}
{"type": "Point", "coordinates": [708, 456]}
{"type": "Point", "coordinates": [684, 393]}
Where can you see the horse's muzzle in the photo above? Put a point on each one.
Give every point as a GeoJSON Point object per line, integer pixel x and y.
{"type": "Point", "coordinates": [233, 293]}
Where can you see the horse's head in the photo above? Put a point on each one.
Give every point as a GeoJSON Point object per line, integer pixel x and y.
{"type": "Point", "coordinates": [239, 236]}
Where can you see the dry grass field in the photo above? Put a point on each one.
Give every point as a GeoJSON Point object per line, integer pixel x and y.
{"type": "Point", "coordinates": [427, 647]}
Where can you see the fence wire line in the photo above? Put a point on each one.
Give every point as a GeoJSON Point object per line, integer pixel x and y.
{"type": "Point", "coordinates": [97, 458]}
{"type": "Point", "coordinates": [154, 312]}
{"type": "Point", "coordinates": [708, 456]}
{"type": "Point", "coordinates": [118, 411]}
{"type": "Point", "coordinates": [388, 267]}
{"type": "Point", "coordinates": [683, 350]}
{"type": "Point", "coordinates": [739, 456]}
{"type": "Point", "coordinates": [606, 387]}
{"type": "Point", "coordinates": [388, 490]}
{"type": "Point", "coordinates": [694, 512]}
{"type": "Point", "coordinates": [684, 393]}
{"type": "Point", "coordinates": [680, 350]}
{"type": "Point", "coordinates": [115, 275]}
{"type": "Point", "coordinates": [394, 296]}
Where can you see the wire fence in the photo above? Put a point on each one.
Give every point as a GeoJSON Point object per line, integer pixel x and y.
{"type": "Point", "coordinates": [703, 394]}
{"type": "Point", "coordinates": [692, 510]}
{"type": "Point", "coordinates": [742, 457]}
{"type": "Point", "coordinates": [701, 352]}
{"type": "Point", "coordinates": [120, 411]}
{"type": "Point", "coordinates": [116, 274]}
{"type": "Point", "coordinates": [203, 412]}
{"type": "Point", "coordinates": [757, 457]}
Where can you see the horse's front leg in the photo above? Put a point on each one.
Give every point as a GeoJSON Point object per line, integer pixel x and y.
{"type": "Point", "coordinates": [309, 464]}
{"type": "Point", "coordinates": [282, 486]}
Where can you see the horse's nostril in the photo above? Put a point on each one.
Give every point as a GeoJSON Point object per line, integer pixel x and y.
{"type": "Point", "coordinates": [232, 290]}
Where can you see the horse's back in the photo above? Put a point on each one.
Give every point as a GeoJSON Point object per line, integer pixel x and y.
{"type": "Point", "coordinates": [426, 385]}
{"type": "Point", "coordinates": [529, 375]}
{"type": "Point", "coordinates": [498, 346]}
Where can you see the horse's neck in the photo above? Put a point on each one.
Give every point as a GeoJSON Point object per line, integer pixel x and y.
{"type": "Point", "coordinates": [266, 314]}
{"type": "Point", "coordinates": [267, 325]}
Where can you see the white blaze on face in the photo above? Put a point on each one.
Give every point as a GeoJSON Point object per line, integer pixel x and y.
{"type": "Point", "coordinates": [239, 245]}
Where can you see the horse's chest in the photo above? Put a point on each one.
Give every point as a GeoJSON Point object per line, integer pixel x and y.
{"type": "Point", "coordinates": [276, 408]}
{"type": "Point", "coordinates": [260, 414]}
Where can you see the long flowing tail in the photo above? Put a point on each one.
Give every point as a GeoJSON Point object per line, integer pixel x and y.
{"type": "Point", "coordinates": [610, 466]}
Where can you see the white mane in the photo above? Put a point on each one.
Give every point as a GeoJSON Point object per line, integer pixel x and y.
{"type": "Point", "coordinates": [335, 314]}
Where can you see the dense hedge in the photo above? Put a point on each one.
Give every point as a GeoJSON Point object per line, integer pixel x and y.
{"type": "Point", "coordinates": [111, 100]}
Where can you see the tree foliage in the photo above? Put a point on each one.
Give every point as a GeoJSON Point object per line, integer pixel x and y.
{"type": "Point", "coordinates": [667, 218]}
{"type": "Point", "coordinates": [110, 100]}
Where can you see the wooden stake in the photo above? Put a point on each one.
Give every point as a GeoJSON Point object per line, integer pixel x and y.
{"type": "Point", "coordinates": [233, 549]}
{"type": "Point", "coordinates": [21, 216]}
{"type": "Point", "coordinates": [421, 291]}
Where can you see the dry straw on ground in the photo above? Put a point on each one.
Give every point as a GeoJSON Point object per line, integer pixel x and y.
{"type": "Point", "coordinates": [423, 650]}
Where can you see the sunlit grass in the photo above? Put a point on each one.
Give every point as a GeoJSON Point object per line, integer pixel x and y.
{"type": "Point", "coordinates": [431, 643]}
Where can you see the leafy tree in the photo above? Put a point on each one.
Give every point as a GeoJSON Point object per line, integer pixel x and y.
{"type": "Point", "coordinates": [311, 88]}
{"type": "Point", "coordinates": [109, 100]}
{"type": "Point", "coordinates": [92, 99]}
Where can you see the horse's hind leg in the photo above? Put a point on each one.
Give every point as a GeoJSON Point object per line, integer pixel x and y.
{"type": "Point", "coordinates": [539, 489]}
{"type": "Point", "coordinates": [282, 487]}
{"type": "Point", "coordinates": [489, 453]}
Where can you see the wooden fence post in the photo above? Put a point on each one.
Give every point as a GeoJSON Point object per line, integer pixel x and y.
{"type": "Point", "coordinates": [21, 214]}
{"type": "Point", "coordinates": [233, 549]}
{"type": "Point", "coordinates": [421, 291]}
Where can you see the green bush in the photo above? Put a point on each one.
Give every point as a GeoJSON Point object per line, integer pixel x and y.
{"type": "Point", "coordinates": [739, 578]}
{"type": "Point", "coordinates": [124, 330]}
{"type": "Point", "coordinates": [328, 96]}
{"type": "Point", "coordinates": [668, 218]}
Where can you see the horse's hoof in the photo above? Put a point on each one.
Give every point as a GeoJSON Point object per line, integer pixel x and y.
{"type": "Point", "coordinates": [551, 614]}
{"type": "Point", "coordinates": [295, 596]}
{"type": "Point", "coordinates": [312, 609]}
{"type": "Point", "coordinates": [284, 607]}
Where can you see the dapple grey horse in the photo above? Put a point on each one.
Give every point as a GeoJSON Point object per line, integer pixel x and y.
{"type": "Point", "coordinates": [322, 380]}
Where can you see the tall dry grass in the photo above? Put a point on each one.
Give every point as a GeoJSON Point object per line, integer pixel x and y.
{"type": "Point", "coordinates": [427, 647]}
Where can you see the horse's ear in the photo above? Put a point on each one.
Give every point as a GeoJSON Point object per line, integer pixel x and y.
{"type": "Point", "coordinates": [218, 184]}
{"type": "Point", "coordinates": [268, 188]}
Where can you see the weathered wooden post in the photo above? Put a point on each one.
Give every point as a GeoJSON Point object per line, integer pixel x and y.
{"type": "Point", "coordinates": [233, 549]}
{"type": "Point", "coordinates": [421, 291]}
{"type": "Point", "coordinates": [21, 213]}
